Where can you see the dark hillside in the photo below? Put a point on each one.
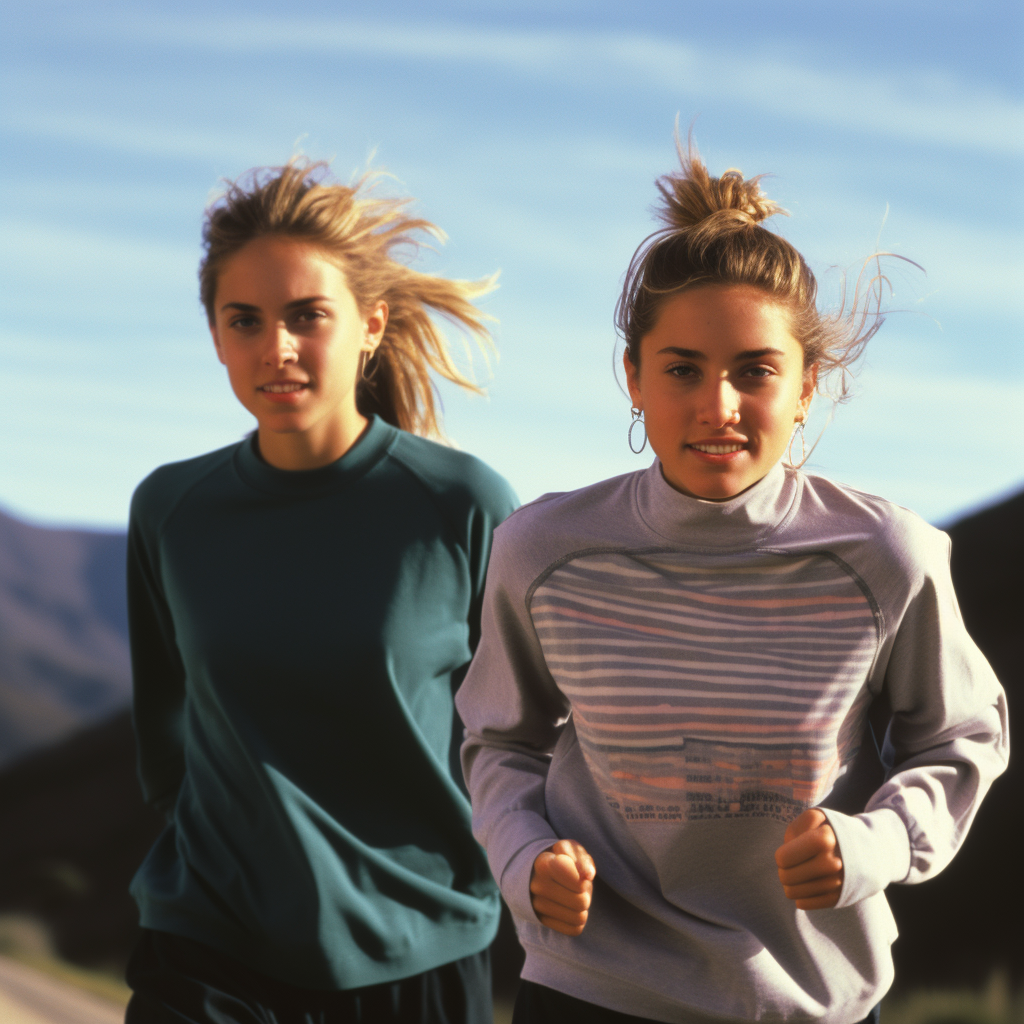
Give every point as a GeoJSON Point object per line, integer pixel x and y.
{"type": "Point", "coordinates": [987, 564]}
{"type": "Point", "coordinates": [63, 633]}
{"type": "Point", "coordinates": [74, 830]}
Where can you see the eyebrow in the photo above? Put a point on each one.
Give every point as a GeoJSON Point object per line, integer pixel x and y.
{"type": "Point", "coordinates": [245, 307]}
{"type": "Point", "coordinates": [696, 354]}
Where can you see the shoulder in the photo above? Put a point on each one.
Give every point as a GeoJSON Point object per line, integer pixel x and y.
{"type": "Point", "coordinates": [455, 479]}
{"type": "Point", "coordinates": [848, 516]}
{"type": "Point", "coordinates": [578, 511]}
{"type": "Point", "coordinates": [540, 533]}
{"type": "Point", "coordinates": [160, 493]}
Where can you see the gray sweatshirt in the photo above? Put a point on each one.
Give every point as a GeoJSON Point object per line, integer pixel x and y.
{"type": "Point", "coordinates": [670, 682]}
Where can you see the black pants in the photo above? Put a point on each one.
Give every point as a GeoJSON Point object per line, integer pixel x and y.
{"type": "Point", "coordinates": [177, 981]}
{"type": "Point", "coordinates": [536, 1004]}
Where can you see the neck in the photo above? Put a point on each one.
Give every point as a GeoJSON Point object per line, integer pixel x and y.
{"type": "Point", "coordinates": [310, 449]}
{"type": "Point", "coordinates": [702, 497]}
{"type": "Point", "coordinates": [741, 521]}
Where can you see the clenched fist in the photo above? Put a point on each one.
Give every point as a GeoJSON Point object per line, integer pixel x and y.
{"type": "Point", "coordinates": [810, 868]}
{"type": "Point", "coordinates": [561, 885]}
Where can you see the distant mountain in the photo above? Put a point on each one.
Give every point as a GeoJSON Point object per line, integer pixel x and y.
{"type": "Point", "coordinates": [63, 633]}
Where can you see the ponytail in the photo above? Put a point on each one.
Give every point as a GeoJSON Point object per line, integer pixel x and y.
{"type": "Point", "coordinates": [713, 234]}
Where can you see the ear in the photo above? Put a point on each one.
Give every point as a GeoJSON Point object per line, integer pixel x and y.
{"type": "Point", "coordinates": [807, 392]}
{"type": "Point", "coordinates": [216, 344]}
{"type": "Point", "coordinates": [632, 381]}
{"type": "Point", "coordinates": [375, 322]}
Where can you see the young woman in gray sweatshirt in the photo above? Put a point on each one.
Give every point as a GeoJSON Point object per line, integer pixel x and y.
{"type": "Point", "coordinates": [720, 704]}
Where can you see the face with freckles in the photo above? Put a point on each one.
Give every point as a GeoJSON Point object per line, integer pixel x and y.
{"type": "Point", "coordinates": [292, 337]}
{"type": "Point", "coordinates": [721, 383]}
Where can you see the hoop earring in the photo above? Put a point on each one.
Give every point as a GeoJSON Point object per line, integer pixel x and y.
{"type": "Point", "coordinates": [365, 359]}
{"type": "Point", "coordinates": [803, 444]}
{"type": "Point", "coordinates": [638, 417]}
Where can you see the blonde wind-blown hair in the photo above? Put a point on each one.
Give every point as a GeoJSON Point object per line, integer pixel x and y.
{"type": "Point", "coordinates": [359, 232]}
{"type": "Point", "coordinates": [713, 234]}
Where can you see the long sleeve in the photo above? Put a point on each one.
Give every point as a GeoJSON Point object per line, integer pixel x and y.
{"type": "Point", "coordinates": [513, 714]}
{"type": "Point", "coordinates": [946, 742]}
{"type": "Point", "coordinates": [474, 523]}
{"type": "Point", "coordinates": [157, 670]}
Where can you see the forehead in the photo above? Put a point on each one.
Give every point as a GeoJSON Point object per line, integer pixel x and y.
{"type": "Point", "coordinates": [277, 265]}
{"type": "Point", "coordinates": [719, 319]}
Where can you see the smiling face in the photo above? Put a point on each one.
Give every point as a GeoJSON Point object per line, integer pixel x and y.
{"type": "Point", "coordinates": [721, 383]}
{"type": "Point", "coordinates": [292, 337]}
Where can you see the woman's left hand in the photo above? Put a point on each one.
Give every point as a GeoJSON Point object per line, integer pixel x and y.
{"type": "Point", "coordinates": [810, 868]}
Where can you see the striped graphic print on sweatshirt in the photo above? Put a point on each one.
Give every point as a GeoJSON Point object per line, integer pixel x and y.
{"type": "Point", "coordinates": [709, 686]}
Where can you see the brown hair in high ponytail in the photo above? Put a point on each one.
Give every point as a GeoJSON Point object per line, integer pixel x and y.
{"type": "Point", "coordinates": [360, 232]}
{"type": "Point", "coordinates": [713, 234]}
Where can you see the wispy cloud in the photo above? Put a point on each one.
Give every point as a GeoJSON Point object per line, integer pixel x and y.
{"type": "Point", "coordinates": [911, 439]}
{"type": "Point", "coordinates": [97, 280]}
{"type": "Point", "coordinates": [926, 106]}
{"type": "Point", "coordinates": [107, 131]}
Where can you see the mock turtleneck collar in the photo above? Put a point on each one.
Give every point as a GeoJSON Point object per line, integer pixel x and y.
{"type": "Point", "coordinates": [695, 523]}
{"type": "Point", "coordinates": [362, 456]}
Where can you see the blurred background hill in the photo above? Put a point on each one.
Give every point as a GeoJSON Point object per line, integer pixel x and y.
{"type": "Point", "coordinates": [74, 827]}
{"type": "Point", "coordinates": [63, 633]}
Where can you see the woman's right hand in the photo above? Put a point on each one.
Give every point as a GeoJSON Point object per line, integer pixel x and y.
{"type": "Point", "coordinates": [561, 885]}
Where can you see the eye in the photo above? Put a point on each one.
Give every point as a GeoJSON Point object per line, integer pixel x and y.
{"type": "Point", "coordinates": [682, 371]}
{"type": "Point", "coordinates": [243, 322]}
{"type": "Point", "coordinates": [759, 371]}
{"type": "Point", "coordinates": [306, 316]}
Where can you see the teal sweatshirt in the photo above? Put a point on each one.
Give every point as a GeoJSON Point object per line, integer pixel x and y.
{"type": "Point", "coordinates": [296, 641]}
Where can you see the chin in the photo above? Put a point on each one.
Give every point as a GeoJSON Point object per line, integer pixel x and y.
{"type": "Point", "coordinates": [710, 490]}
{"type": "Point", "coordinates": [721, 495]}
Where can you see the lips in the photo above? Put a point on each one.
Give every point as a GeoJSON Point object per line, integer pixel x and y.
{"type": "Point", "coordinates": [284, 392]}
{"type": "Point", "coordinates": [717, 449]}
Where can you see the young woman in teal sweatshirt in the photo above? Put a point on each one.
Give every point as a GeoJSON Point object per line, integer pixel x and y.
{"type": "Point", "coordinates": [303, 605]}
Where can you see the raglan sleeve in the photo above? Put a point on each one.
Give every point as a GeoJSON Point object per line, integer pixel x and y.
{"type": "Point", "coordinates": [158, 673]}
{"type": "Point", "coordinates": [513, 715]}
{"type": "Point", "coordinates": [946, 741]}
{"type": "Point", "coordinates": [494, 501]}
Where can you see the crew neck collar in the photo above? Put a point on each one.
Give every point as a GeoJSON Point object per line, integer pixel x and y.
{"type": "Point", "coordinates": [696, 523]}
{"type": "Point", "coordinates": [370, 446]}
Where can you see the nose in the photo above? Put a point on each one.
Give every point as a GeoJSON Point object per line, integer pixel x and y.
{"type": "Point", "coordinates": [720, 405]}
{"type": "Point", "coordinates": [282, 347]}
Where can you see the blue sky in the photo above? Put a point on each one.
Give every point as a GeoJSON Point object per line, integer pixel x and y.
{"type": "Point", "coordinates": [532, 134]}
